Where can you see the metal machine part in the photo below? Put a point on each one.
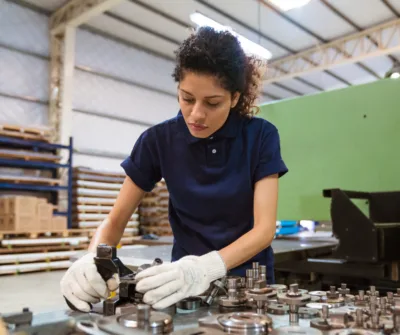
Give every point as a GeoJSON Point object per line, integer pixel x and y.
{"type": "Point", "coordinates": [333, 297]}
{"type": "Point", "coordinates": [263, 272]}
{"type": "Point", "coordinates": [322, 323]}
{"type": "Point", "coordinates": [318, 305]}
{"type": "Point", "coordinates": [245, 323]}
{"type": "Point", "coordinates": [279, 288]}
{"type": "Point", "coordinates": [190, 304]}
{"type": "Point", "coordinates": [277, 309]}
{"type": "Point", "coordinates": [361, 300]}
{"type": "Point", "coordinates": [218, 285]}
{"type": "Point", "coordinates": [294, 299]}
{"type": "Point", "coordinates": [260, 295]}
{"type": "Point", "coordinates": [16, 320]}
{"type": "Point", "coordinates": [343, 290]}
{"type": "Point", "coordinates": [308, 313]}
{"type": "Point", "coordinates": [234, 298]}
{"type": "Point", "coordinates": [256, 271]}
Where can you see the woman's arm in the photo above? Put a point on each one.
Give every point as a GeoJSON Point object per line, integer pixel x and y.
{"type": "Point", "coordinates": [112, 228]}
{"type": "Point", "coordinates": [261, 236]}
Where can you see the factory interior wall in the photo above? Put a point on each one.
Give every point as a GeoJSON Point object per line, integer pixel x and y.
{"type": "Point", "coordinates": [348, 139]}
{"type": "Point", "coordinates": [118, 90]}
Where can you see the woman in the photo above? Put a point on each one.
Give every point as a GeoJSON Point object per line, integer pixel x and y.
{"type": "Point", "coordinates": [221, 166]}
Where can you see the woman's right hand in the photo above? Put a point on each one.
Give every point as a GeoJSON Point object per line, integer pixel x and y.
{"type": "Point", "coordinates": [82, 284]}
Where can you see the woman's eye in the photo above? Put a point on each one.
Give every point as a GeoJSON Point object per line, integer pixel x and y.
{"type": "Point", "coordinates": [213, 104]}
{"type": "Point", "coordinates": [188, 100]}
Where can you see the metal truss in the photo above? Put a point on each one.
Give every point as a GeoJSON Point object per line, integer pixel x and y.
{"type": "Point", "coordinates": [63, 24]}
{"type": "Point", "coordinates": [350, 49]}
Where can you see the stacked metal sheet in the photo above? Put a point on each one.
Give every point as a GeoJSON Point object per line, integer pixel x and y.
{"type": "Point", "coordinates": [153, 212]}
{"type": "Point", "coordinates": [94, 195]}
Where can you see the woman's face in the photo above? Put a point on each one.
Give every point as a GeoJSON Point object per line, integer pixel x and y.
{"type": "Point", "coordinates": [205, 105]}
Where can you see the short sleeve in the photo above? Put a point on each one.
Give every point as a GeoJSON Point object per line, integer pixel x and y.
{"type": "Point", "coordinates": [270, 160]}
{"type": "Point", "coordinates": [143, 166]}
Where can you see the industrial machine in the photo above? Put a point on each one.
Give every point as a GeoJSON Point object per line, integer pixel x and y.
{"type": "Point", "coordinates": [232, 305]}
{"type": "Point", "coordinates": [368, 251]}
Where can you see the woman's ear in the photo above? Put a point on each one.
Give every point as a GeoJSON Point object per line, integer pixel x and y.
{"type": "Point", "coordinates": [235, 99]}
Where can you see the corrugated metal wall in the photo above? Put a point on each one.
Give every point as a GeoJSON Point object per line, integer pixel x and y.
{"type": "Point", "coordinates": [119, 91]}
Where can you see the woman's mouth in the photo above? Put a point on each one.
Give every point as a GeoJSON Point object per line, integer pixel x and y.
{"type": "Point", "coordinates": [197, 127]}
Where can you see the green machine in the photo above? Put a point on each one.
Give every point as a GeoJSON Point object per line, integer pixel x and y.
{"type": "Point", "coordinates": [348, 138]}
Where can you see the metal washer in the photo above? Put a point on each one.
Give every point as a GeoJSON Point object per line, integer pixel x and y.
{"type": "Point", "coordinates": [197, 331]}
{"type": "Point", "coordinates": [245, 322]}
{"type": "Point", "coordinates": [277, 309]}
{"type": "Point", "coordinates": [190, 304]}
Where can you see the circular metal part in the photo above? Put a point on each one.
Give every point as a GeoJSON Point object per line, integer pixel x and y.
{"type": "Point", "coordinates": [199, 331]}
{"type": "Point", "coordinates": [190, 304]}
{"type": "Point", "coordinates": [295, 330]}
{"type": "Point", "coordinates": [335, 302]}
{"type": "Point", "coordinates": [245, 323]}
{"type": "Point", "coordinates": [308, 313]}
{"type": "Point", "coordinates": [225, 301]}
{"type": "Point", "coordinates": [279, 288]}
{"type": "Point", "coordinates": [158, 321]}
{"type": "Point", "coordinates": [317, 293]}
{"type": "Point", "coordinates": [277, 309]}
{"type": "Point", "coordinates": [297, 299]}
{"type": "Point", "coordinates": [143, 312]}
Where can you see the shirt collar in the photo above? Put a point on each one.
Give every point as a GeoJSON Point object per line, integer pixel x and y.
{"type": "Point", "coordinates": [228, 130]}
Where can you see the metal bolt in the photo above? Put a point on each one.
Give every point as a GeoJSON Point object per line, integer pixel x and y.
{"type": "Point", "coordinates": [359, 318]}
{"type": "Point", "coordinates": [333, 289]}
{"type": "Point", "coordinates": [143, 313]}
{"type": "Point", "coordinates": [256, 265]}
{"type": "Point", "coordinates": [361, 294]}
{"type": "Point", "coordinates": [232, 283]}
{"type": "Point", "coordinates": [263, 272]}
{"type": "Point", "coordinates": [249, 273]}
{"type": "Point", "coordinates": [294, 288]}
{"type": "Point", "coordinates": [249, 283]}
{"type": "Point", "coordinates": [343, 286]}
{"type": "Point", "coordinates": [325, 312]}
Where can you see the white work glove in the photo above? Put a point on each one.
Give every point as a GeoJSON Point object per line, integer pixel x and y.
{"type": "Point", "coordinates": [82, 284]}
{"type": "Point", "coordinates": [166, 284]}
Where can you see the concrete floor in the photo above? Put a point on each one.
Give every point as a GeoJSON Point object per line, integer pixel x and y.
{"type": "Point", "coordinates": [38, 291]}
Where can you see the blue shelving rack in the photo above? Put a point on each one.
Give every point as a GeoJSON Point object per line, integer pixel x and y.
{"type": "Point", "coordinates": [53, 167]}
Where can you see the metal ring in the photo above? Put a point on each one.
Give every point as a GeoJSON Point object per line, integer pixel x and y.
{"type": "Point", "coordinates": [190, 304]}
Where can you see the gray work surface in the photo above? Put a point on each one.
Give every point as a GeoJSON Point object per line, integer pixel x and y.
{"type": "Point", "coordinates": [164, 251]}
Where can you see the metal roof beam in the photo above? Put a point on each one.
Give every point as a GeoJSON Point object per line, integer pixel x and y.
{"type": "Point", "coordinates": [77, 12]}
{"type": "Point", "coordinates": [391, 8]}
{"type": "Point", "coordinates": [353, 24]}
{"type": "Point", "coordinates": [313, 34]}
{"type": "Point", "coordinates": [327, 55]}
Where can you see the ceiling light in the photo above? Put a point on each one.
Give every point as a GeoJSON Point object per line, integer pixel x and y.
{"type": "Point", "coordinates": [248, 46]}
{"type": "Point", "coordinates": [286, 5]}
{"type": "Point", "coordinates": [394, 72]}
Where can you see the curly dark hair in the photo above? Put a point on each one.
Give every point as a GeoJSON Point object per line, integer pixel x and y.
{"type": "Point", "coordinates": [219, 53]}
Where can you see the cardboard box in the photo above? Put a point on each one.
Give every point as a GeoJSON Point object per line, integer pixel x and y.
{"type": "Point", "coordinates": [45, 224]}
{"type": "Point", "coordinates": [59, 223]}
{"type": "Point", "coordinates": [41, 201]}
{"type": "Point", "coordinates": [22, 223]}
{"type": "Point", "coordinates": [4, 223]}
{"type": "Point", "coordinates": [45, 211]}
{"type": "Point", "coordinates": [18, 206]}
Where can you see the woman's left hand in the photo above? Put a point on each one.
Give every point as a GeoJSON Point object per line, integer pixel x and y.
{"type": "Point", "coordinates": [166, 284]}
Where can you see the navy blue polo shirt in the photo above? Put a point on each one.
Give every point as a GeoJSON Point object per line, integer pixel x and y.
{"type": "Point", "coordinates": [210, 181]}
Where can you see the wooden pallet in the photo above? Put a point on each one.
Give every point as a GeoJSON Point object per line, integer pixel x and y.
{"type": "Point", "coordinates": [82, 209]}
{"type": "Point", "coordinates": [45, 248]}
{"type": "Point", "coordinates": [95, 224]}
{"type": "Point", "coordinates": [35, 257]}
{"type": "Point", "coordinates": [97, 185]}
{"type": "Point", "coordinates": [98, 172]}
{"type": "Point", "coordinates": [99, 217]}
{"type": "Point", "coordinates": [23, 136]}
{"type": "Point", "coordinates": [88, 193]}
{"type": "Point", "coordinates": [34, 267]}
{"type": "Point", "coordinates": [87, 201]}
{"type": "Point", "coordinates": [29, 180]}
{"type": "Point", "coordinates": [26, 130]}
{"type": "Point", "coordinates": [29, 155]}
{"type": "Point", "coordinates": [101, 179]}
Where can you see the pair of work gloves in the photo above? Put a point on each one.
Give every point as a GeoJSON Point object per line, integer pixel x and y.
{"type": "Point", "coordinates": [162, 285]}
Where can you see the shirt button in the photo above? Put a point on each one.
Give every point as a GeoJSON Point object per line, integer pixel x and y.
{"type": "Point", "coordinates": [214, 151]}
{"type": "Point", "coordinates": [211, 137]}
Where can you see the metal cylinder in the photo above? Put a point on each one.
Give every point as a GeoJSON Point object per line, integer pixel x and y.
{"type": "Point", "coordinates": [390, 297]}
{"type": "Point", "coordinates": [361, 294]}
{"type": "Point", "coordinates": [232, 283]}
{"type": "Point", "coordinates": [210, 298]}
{"type": "Point", "coordinates": [325, 312]}
{"type": "Point", "coordinates": [372, 289]}
{"type": "Point", "coordinates": [143, 313]}
{"type": "Point", "coordinates": [256, 274]}
{"type": "Point", "coordinates": [294, 288]}
{"type": "Point", "coordinates": [263, 272]}
{"type": "Point", "coordinates": [333, 289]}
{"type": "Point", "coordinates": [343, 286]}
{"type": "Point", "coordinates": [260, 307]}
{"type": "Point", "coordinates": [359, 318]}
{"type": "Point", "coordinates": [249, 273]}
{"type": "Point", "coordinates": [256, 265]}
{"type": "Point", "coordinates": [249, 283]}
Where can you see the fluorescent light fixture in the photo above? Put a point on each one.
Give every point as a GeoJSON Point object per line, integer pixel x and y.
{"type": "Point", "coordinates": [395, 75]}
{"type": "Point", "coordinates": [286, 5]}
{"type": "Point", "coordinates": [248, 46]}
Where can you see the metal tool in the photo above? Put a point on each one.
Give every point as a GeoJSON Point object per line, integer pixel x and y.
{"type": "Point", "coordinates": [218, 285]}
{"type": "Point", "coordinates": [260, 294]}
{"type": "Point", "coordinates": [234, 298]}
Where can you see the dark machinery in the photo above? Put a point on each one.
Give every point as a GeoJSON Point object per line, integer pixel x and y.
{"type": "Point", "coordinates": [369, 244]}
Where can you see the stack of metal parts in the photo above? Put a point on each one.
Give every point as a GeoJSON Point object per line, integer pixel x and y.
{"type": "Point", "coordinates": [233, 305]}
{"type": "Point", "coordinates": [153, 212]}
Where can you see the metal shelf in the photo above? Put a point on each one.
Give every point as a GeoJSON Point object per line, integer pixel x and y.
{"type": "Point", "coordinates": [29, 143]}
{"type": "Point", "coordinates": [39, 165]}
{"type": "Point", "coordinates": [19, 163]}
{"type": "Point", "coordinates": [30, 187]}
